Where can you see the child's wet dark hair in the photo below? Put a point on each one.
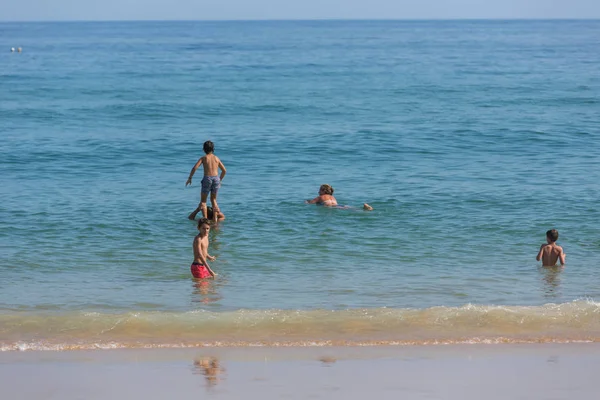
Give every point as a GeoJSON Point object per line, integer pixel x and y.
{"type": "Point", "coordinates": [210, 213]}
{"type": "Point", "coordinates": [203, 221]}
{"type": "Point", "coordinates": [209, 147]}
{"type": "Point", "coordinates": [552, 234]}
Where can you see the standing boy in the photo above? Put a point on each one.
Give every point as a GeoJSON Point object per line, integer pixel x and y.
{"type": "Point", "coordinates": [550, 252]}
{"type": "Point", "coordinates": [200, 268]}
{"type": "Point", "coordinates": [211, 182]}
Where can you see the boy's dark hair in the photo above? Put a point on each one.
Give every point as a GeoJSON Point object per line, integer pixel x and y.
{"type": "Point", "coordinates": [203, 221]}
{"type": "Point", "coordinates": [552, 234]}
{"type": "Point", "coordinates": [209, 147]}
{"type": "Point", "coordinates": [210, 213]}
{"type": "Point", "coordinates": [327, 189]}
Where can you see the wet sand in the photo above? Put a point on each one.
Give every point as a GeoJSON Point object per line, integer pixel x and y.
{"type": "Point", "coordinates": [461, 372]}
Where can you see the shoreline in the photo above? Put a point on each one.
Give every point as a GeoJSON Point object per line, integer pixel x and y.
{"type": "Point", "coordinates": [45, 347]}
{"type": "Point", "coordinates": [571, 322]}
{"type": "Point", "coordinates": [419, 372]}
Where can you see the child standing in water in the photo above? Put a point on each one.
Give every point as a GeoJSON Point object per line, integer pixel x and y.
{"type": "Point", "coordinates": [200, 268]}
{"type": "Point", "coordinates": [325, 198]}
{"type": "Point", "coordinates": [550, 252]}
{"type": "Point", "coordinates": [211, 182]}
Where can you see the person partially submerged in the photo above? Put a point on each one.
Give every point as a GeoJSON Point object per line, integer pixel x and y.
{"type": "Point", "coordinates": [326, 198]}
{"type": "Point", "coordinates": [211, 216]}
{"type": "Point", "coordinates": [550, 252]}
{"type": "Point", "coordinates": [200, 268]}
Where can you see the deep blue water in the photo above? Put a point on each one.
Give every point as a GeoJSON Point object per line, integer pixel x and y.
{"type": "Point", "coordinates": [469, 138]}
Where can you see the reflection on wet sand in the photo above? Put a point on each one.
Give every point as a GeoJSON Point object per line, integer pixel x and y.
{"type": "Point", "coordinates": [210, 368]}
{"type": "Point", "coordinates": [551, 277]}
{"type": "Point", "coordinates": [327, 360]}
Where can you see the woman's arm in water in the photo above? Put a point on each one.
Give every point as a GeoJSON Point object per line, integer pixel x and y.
{"type": "Point", "coordinates": [313, 201]}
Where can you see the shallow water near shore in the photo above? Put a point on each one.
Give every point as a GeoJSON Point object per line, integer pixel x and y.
{"type": "Point", "coordinates": [469, 138]}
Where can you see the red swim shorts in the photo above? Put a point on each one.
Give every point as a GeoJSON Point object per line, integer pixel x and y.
{"type": "Point", "coordinates": [200, 271]}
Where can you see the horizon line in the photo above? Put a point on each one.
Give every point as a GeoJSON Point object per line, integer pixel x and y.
{"type": "Point", "coordinates": [310, 19]}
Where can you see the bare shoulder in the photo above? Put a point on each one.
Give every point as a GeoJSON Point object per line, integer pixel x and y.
{"type": "Point", "coordinates": [559, 248]}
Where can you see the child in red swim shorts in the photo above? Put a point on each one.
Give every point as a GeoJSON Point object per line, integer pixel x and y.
{"type": "Point", "coordinates": [200, 268]}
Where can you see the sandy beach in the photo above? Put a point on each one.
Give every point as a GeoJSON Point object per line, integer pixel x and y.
{"type": "Point", "coordinates": [544, 371]}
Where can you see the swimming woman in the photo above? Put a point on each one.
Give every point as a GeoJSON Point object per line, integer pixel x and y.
{"type": "Point", "coordinates": [325, 198]}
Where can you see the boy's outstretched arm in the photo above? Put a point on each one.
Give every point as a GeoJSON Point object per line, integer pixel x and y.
{"type": "Point", "coordinates": [223, 170]}
{"type": "Point", "coordinates": [210, 271]}
{"type": "Point", "coordinates": [198, 164]}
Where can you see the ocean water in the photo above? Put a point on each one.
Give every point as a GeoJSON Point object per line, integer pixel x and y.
{"type": "Point", "coordinates": [469, 138]}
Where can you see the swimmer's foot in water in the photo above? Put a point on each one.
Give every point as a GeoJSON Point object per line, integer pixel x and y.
{"type": "Point", "coordinates": [367, 207]}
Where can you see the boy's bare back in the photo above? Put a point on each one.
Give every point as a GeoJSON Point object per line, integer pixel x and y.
{"type": "Point", "coordinates": [550, 254]}
{"type": "Point", "coordinates": [211, 164]}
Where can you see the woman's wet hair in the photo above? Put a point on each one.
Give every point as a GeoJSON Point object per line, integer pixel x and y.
{"type": "Point", "coordinates": [327, 189]}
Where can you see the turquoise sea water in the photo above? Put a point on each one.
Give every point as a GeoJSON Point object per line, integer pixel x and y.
{"type": "Point", "coordinates": [469, 138]}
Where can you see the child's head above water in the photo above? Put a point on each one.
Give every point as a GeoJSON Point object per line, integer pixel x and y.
{"type": "Point", "coordinates": [203, 221]}
{"type": "Point", "coordinates": [552, 235]}
{"type": "Point", "coordinates": [210, 213]}
{"type": "Point", "coordinates": [209, 147]}
{"type": "Point", "coordinates": [326, 189]}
